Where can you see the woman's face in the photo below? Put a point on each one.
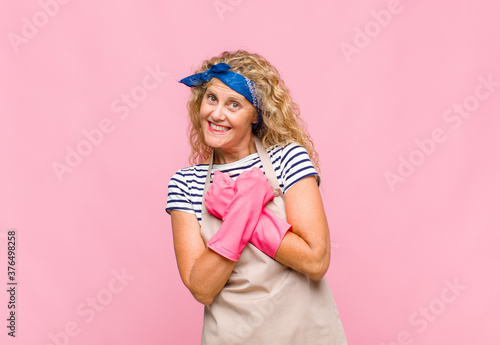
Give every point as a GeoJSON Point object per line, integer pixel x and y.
{"type": "Point", "coordinates": [226, 118]}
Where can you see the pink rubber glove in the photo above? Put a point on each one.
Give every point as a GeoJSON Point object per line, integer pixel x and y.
{"type": "Point", "coordinates": [270, 228]}
{"type": "Point", "coordinates": [239, 219]}
{"type": "Point", "coordinates": [269, 233]}
{"type": "Point", "coordinates": [219, 194]}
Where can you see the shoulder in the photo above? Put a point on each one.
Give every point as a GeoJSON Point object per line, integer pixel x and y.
{"type": "Point", "coordinates": [185, 189]}
{"type": "Point", "coordinates": [277, 152]}
{"type": "Point", "coordinates": [188, 181]}
{"type": "Point", "coordinates": [287, 152]}
{"type": "Point", "coordinates": [189, 174]}
{"type": "Point", "coordinates": [283, 154]}
{"type": "Point", "coordinates": [292, 163]}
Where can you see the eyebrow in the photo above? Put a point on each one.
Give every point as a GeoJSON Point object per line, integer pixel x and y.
{"type": "Point", "coordinates": [237, 97]}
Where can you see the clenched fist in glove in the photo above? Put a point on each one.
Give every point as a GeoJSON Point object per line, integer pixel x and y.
{"type": "Point", "coordinates": [269, 230]}
{"type": "Point", "coordinates": [251, 193]}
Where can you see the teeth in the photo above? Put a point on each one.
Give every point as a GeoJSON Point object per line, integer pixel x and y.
{"type": "Point", "coordinates": [219, 128]}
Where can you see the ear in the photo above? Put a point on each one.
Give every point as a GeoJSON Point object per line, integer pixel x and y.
{"type": "Point", "coordinates": [255, 117]}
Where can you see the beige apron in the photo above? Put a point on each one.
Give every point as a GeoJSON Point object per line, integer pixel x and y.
{"type": "Point", "coordinates": [265, 302]}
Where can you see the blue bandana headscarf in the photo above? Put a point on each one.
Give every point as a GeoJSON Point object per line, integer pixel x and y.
{"type": "Point", "coordinates": [235, 81]}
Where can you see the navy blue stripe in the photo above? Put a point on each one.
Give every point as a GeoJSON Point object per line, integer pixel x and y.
{"type": "Point", "coordinates": [193, 187]}
{"type": "Point", "coordinates": [179, 201]}
{"type": "Point", "coordinates": [278, 154]}
{"type": "Point", "coordinates": [273, 152]}
{"type": "Point", "coordinates": [197, 182]}
{"type": "Point", "coordinates": [295, 173]}
{"type": "Point", "coordinates": [200, 176]}
{"type": "Point", "coordinates": [297, 163]}
{"type": "Point", "coordinates": [177, 187]}
{"type": "Point", "coordinates": [195, 170]}
{"type": "Point", "coordinates": [294, 157]}
{"type": "Point", "coordinates": [181, 194]}
{"type": "Point", "coordinates": [279, 175]}
{"type": "Point", "coordinates": [179, 208]}
{"type": "Point", "coordinates": [297, 180]}
{"type": "Point", "coordinates": [181, 182]}
{"type": "Point", "coordinates": [291, 150]}
{"type": "Point", "coordinates": [274, 161]}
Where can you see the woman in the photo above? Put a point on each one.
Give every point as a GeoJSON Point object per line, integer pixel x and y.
{"type": "Point", "coordinates": [252, 248]}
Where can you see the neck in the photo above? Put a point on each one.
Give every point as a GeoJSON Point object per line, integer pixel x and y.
{"type": "Point", "coordinates": [224, 156]}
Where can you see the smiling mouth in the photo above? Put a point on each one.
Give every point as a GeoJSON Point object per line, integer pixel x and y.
{"type": "Point", "coordinates": [217, 128]}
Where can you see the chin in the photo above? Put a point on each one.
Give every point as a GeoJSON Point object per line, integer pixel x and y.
{"type": "Point", "coordinates": [211, 141]}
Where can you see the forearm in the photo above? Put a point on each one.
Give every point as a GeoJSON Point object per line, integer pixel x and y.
{"type": "Point", "coordinates": [208, 276]}
{"type": "Point", "coordinates": [312, 260]}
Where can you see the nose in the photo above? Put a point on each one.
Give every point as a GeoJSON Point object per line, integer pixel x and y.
{"type": "Point", "coordinates": [218, 113]}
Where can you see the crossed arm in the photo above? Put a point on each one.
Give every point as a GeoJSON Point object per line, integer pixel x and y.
{"type": "Point", "coordinates": [306, 248]}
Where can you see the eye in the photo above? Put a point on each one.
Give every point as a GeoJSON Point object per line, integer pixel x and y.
{"type": "Point", "coordinates": [234, 105]}
{"type": "Point", "coordinates": [211, 98]}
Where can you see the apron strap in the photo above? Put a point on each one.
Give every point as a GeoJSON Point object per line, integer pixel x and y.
{"type": "Point", "coordinates": [268, 168]}
{"type": "Point", "coordinates": [207, 183]}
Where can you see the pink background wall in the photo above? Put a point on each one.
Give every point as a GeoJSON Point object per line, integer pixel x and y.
{"type": "Point", "coordinates": [401, 97]}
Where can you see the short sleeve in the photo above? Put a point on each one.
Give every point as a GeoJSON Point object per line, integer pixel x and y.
{"type": "Point", "coordinates": [179, 197]}
{"type": "Point", "coordinates": [296, 165]}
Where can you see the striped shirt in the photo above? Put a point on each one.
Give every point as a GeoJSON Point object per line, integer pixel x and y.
{"type": "Point", "coordinates": [185, 190]}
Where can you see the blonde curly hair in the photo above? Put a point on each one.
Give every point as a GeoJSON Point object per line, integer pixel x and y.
{"type": "Point", "coordinates": [281, 122]}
